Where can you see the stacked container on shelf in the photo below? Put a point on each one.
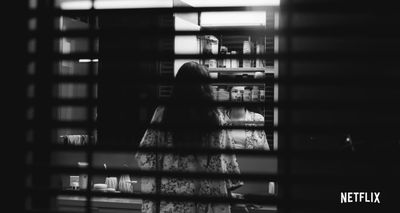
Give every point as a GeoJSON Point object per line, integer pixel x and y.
{"type": "Point", "coordinates": [251, 47]}
{"type": "Point", "coordinates": [210, 46]}
{"type": "Point", "coordinates": [248, 94]}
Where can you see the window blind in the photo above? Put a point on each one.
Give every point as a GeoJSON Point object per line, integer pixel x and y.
{"type": "Point", "coordinates": [330, 102]}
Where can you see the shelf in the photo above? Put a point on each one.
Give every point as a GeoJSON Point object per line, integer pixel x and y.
{"type": "Point", "coordinates": [238, 84]}
{"type": "Point", "coordinates": [242, 70]}
{"type": "Point", "coordinates": [258, 123]}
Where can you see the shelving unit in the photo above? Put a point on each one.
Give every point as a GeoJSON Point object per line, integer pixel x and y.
{"type": "Point", "coordinates": [242, 70]}
{"type": "Point", "coordinates": [195, 45]}
{"type": "Point", "coordinates": [268, 71]}
{"type": "Point", "coordinates": [241, 73]}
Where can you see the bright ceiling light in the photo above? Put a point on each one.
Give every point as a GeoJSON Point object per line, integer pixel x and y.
{"type": "Point", "coordinates": [212, 19]}
{"type": "Point", "coordinates": [227, 3]}
{"type": "Point", "coordinates": [114, 4]}
{"type": "Point", "coordinates": [120, 4]}
{"type": "Point", "coordinates": [75, 5]}
{"type": "Point", "coordinates": [87, 60]}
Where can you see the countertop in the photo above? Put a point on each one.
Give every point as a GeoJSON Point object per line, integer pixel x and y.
{"type": "Point", "coordinates": [105, 202]}
{"type": "Point", "coordinates": [132, 204]}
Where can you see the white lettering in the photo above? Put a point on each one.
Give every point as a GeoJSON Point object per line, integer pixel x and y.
{"type": "Point", "coordinates": [358, 197]}
{"type": "Point", "coordinates": [377, 197]}
{"type": "Point", "coordinates": [343, 197]}
{"type": "Point", "coordinates": [366, 198]}
{"type": "Point", "coordinates": [349, 197]}
{"type": "Point", "coordinates": [362, 196]}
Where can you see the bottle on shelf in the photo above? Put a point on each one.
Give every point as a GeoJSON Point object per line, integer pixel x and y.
{"type": "Point", "coordinates": [260, 49]}
{"type": "Point", "coordinates": [227, 61]}
{"type": "Point", "coordinates": [83, 177]}
{"type": "Point", "coordinates": [210, 46]}
{"type": "Point", "coordinates": [246, 51]}
{"type": "Point", "coordinates": [221, 62]}
{"type": "Point", "coordinates": [262, 95]}
{"type": "Point", "coordinates": [255, 94]}
{"type": "Point", "coordinates": [234, 61]}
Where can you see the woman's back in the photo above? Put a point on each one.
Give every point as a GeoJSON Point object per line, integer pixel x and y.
{"type": "Point", "coordinates": [218, 163]}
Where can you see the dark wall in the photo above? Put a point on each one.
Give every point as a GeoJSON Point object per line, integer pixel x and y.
{"type": "Point", "coordinates": [124, 94]}
{"type": "Point", "coordinates": [344, 85]}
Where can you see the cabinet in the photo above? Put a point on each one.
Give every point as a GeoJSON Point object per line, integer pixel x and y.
{"type": "Point", "coordinates": [77, 204]}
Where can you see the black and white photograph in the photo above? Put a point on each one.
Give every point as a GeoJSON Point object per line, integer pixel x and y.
{"type": "Point", "coordinates": [207, 106]}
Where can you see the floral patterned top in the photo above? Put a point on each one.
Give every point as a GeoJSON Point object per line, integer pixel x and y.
{"type": "Point", "coordinates": [252, 139]}
{"type": "Point", "coordinates": [220, 163]}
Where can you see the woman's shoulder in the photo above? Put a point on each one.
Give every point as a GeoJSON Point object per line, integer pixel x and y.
{"type": "Point", "coordinates": [254, 116]}
{"type": "Point", "coordinates": [222, 116]}
{"type": "Point", "coordinates": [158, 115]}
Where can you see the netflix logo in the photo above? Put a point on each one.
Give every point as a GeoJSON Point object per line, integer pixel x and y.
{"type": "Point", "coordinates": [359, 197]}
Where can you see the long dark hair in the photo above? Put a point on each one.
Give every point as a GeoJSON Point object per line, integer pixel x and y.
{"type": "Point", "coordinates": [190, 93]}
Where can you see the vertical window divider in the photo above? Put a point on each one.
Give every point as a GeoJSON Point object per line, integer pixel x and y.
{"type": "Point", "coordinates": [91, 119]}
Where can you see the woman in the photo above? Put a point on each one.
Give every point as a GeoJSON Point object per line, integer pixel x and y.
{"type": "Point", "coordinates": [183, 114]}
{"type": "Point", "coordinates": [245, 139]}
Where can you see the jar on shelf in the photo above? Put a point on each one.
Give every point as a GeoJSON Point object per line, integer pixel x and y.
{"type": "Point", "coordinates": [260, 49]}
{"type": "Point", "coordinates": [234, 61]}
{"type": "Point", "coordinates": [221, 62]}
{"type": "Point", "coordinates": [124, 184]}
{"type": "Point", "coordinates": [212, 63]}
{"type": "Point", "coordinates": [227, 61]}
{"type": "Point", "coordinates": [262, 95]}
{"type": "Point", "coordinates": [210, 45]}
{"type": "Point", "coordinates": [246, 51]}
{"type": "Point", "coordinates": [255, 94]}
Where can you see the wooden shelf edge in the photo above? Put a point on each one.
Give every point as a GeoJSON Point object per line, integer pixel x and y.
{"type": "Point", "coordinates": [242, 69]}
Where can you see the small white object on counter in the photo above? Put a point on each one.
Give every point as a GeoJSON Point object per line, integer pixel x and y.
{"type": "Point", "coordinates": [112, 182]}
{"type": "Point", "coordinates": [125, 184]}
{"type": "Point", "coordinates": [75, 185]}
{"type": "Point", "coordinates": [271, 187]}
{"type": "Point", "coordinates": [100, 187]}
{"type": "Point", "coordinates": [73, 179]}
{"type": "Point", "coordinates": [83, 178]}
